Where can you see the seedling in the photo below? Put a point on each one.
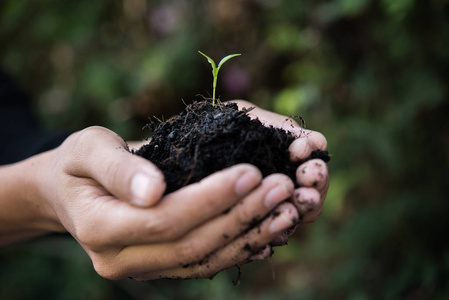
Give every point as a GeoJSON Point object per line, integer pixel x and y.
{"type": "Point", "coordinates": [216, 69]}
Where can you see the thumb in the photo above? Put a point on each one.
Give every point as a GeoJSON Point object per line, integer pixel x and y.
{"type": "Point", "coordinates": [103, 156]}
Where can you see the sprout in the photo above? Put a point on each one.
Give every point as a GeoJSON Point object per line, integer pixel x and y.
{"type": "Point", "coordinates": [216, 69]}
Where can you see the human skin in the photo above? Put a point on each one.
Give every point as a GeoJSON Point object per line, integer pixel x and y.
{"type": "Point", "coordinates": [112, 203]}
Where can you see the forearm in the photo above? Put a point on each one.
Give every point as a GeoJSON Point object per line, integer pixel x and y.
{"type": "Point", "coordinates": [24, 213]}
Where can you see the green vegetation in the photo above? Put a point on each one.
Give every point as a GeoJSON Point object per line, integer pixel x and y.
{"type": "Point", "coordinates": [216, 69]}
{"type": "Point", "coordinates": [372, 76]}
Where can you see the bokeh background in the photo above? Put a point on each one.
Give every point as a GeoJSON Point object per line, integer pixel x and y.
{"type": "Point", "coordinates": [373, 76]}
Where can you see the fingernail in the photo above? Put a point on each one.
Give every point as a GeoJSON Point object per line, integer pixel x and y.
{"type": "Point", "coordinates": [278, 194]}
{"type": "Point", "coordinates": [286, 219]}
{"type": "Point", "coordinates": [142, 187]}
{"type": "Point", "coordinates": [247, 182]}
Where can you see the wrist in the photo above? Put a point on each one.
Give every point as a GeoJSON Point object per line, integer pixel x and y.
{"type": "Point", "coordinates": [42, 177]}
{"type": "Point", "coordinates": [24, 209]}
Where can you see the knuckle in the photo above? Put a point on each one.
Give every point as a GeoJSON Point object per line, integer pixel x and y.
{"type": "Point", "coordinates": [191, 252]}
{"type": "Point", "coordinates": [92, 131]}
{"type": "Point", "coordinates": [106, 268]}
{"type": "Point", "coordinates": [86, 136]}
{"type": "Point", "coordinates": [206, 272]}
{"type": "Point", "coordinates": [78, 146]}
{"type": "Point", "coordinates": [86, 238]}
{"type": "Point", "coordinates": [163, 229]}
{"type": "Point", "coordinates": [245, 216]}
{"type": "Point", "coordinates": [187, 252]}
{"type": "Point", "coordinates": [90, 135]}
{"type": "Point", "coordinates": [276, 178]}
{"type": "Point", "coordinates": [114, 170]}
{"type": "Point", "coordinates": [85, 231]}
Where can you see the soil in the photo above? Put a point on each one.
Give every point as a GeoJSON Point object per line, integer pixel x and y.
{"type": "Point", "coordinates": [204, 139]}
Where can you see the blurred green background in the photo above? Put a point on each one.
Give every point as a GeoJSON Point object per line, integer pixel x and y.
{"type": "Point", "coordinates": [372, 76]}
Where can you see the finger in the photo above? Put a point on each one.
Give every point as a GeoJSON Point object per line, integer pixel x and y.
{"type": "Point", "coordinates": [177, 214]}
{"type": "Point", "coordinates": [269, 118]}
{"type": "Point", "coordinates": [317, 138]}
{"type": "Point", "coordinates": [301, 148]}
{"type": "Point", "coordinates": [237, 252]}
{"type": "Point", "coordinates": [313, 173]}
{"type": "Point", "coordinates": [102, 155]}
{"type": "Point", "coordinates": [211, 196]}
{"type": "Point", "coordinates": [262, 254]}
{"type": "Point", "coordinates": [246, 214]}
{"type": "Point", "coordinates": [288, 124]}
{"type": "Point", "coordinates": [214, 234]}
{"type": "Point", "coordinates": [307, 201]}
{"type": "Point", "coordinates": [282, 238]}
{"type": "Point", "coordinates": [313, 215]}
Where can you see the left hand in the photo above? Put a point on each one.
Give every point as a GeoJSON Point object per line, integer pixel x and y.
{"type": "Point", "coordinates": [313, 178]}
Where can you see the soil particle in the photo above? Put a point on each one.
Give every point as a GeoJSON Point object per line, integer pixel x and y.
{"type": "Point", "coordinates": [321, 154]}
{"type": "Point", "coordinates": [275, 214]}
{"type": "Point", "coordinates": [254, 221]}
{"type": "Point", "coordinates": [247, 247]}
{"type": "Point", "coordinates": [296, 195]}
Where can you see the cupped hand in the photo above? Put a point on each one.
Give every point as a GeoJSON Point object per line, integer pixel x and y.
{"type": "Point", "coordinates": [312, 176]}
{"type": "Point", "coordinates": [111, 202]}
{"type": "Point", "coordinates": [308, 199]}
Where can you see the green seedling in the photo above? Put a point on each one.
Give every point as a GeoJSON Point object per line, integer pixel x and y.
{"type": "Point", "coordinates": [216, 69]}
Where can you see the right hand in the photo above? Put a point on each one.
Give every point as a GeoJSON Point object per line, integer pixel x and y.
{"type": "Point", "coordinates": [133, 232]}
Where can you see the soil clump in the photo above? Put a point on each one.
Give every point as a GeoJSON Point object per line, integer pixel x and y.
{"type": "Point", "coordinates": [204, 139]}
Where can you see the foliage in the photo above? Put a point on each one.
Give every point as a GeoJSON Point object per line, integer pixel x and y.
{"type": "Point", "coordinates": [215, 70]}
{"type": "Point", "coordinates": [370, 75]}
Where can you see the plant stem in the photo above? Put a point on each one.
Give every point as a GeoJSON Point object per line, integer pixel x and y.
{"type": "Point", "coordinates": [213, 90]}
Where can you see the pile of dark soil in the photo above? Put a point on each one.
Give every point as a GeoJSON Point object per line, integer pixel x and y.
{"type": "Point", "coordinates": [204, 139]}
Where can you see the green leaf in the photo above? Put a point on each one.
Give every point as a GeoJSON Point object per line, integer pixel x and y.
{"type": "Point", "coordinates": [210, 60]}
{"type": "Point", "coordinates": [226, 58]}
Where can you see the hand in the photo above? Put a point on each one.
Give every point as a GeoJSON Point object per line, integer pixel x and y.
{"type": "Point", "coordinates": [313, 179]}
{"type": "Point", "coordinates": [312, 176]}
{"type": "Point", "coordinates": [110, 201]}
